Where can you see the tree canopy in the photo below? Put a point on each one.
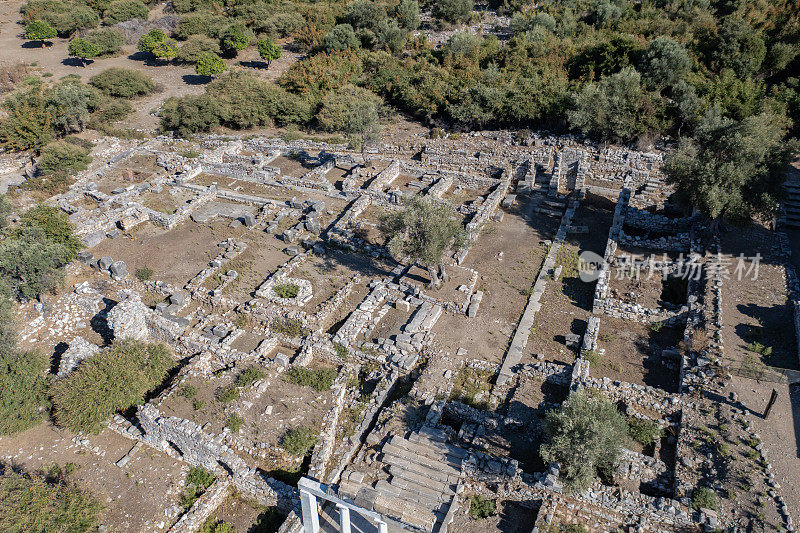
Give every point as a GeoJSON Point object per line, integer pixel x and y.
{"type": "Point", "coordinates": [732, 169]}
{"type": "Point", "coordinates": [585, 435]}
{"type": "Point", "coordinates": [39, 30]}
{"type": "Point", "coordinates": [209, 64]}
{"type": "Point", "coordinates": [268, 50]}
{"type": "Point", "coordinates": [423, 231]}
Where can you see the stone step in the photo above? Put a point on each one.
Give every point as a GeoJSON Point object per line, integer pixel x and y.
{"type": "Point", "coordinates": [419, 445]}
{"type": "Point", "coordinates": [410, 474]}
{"type": "Point", "coordinates": [408, 513]}
{"type": "Point", "coordinates": [441, 445]}
{"type": "Point", "coordinates": [441, 464]}
{"type": "Point", "coordinates": [416, 492]}
{"type": "Point", "coordinates": [428, 433]}
{"type": "Point", "coordinates": [349, 489]}
{"type": "Point", "coordinates": [395, 490]}
{"type": "Point", "coordinates": [432, 474]}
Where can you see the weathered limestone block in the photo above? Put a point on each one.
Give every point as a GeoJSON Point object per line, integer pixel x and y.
{"type": "Point", "coordinates": [128, 319]}
{"type": "Point", "coordinates": [79, 350]}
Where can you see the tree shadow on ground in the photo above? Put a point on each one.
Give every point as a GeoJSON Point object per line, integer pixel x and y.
{"type": "Point", "coordinates": [195, 79]}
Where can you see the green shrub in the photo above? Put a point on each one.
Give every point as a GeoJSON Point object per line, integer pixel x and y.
{"type": "Point", "coordinates": [585, 435]}
{"type": "Point", "coordinates": [228, 393]}
{"type": "Point", "coordinates": [123, 82]}
{"type": "Point", "coordinates": [216, 526]}
{"type": "Point", "coordinates": [111, 111]}
{"type": "Point", "coordinates": [113, 380]}
{"type": "Point", "coordinates": [209, 64]}
{"type": "Point", "coordinates": [320, 379]}
{"type": "Point", "coordinates": [249, 376]}
{"type": "Point", "coordinates": [23, 390]}
{"type": "Point", "coordinates": [83, 49]}
{"type": "Point", "coordinates": [645, 432]}
{"type": "Point", "coordinates": [197, 482]}
{"type": "Point", "coordinates": [286, 290]}
{"type": "Point", "coordinates": [108, 40]}
{"type": "Point", "coordinates": [452, 11]}
{"type": "Point", "coordinates": [189, 391]}
{"type": "Point", "coordinates": [704, 498]}
{"type": "Point", "coordinates": [234, 422]}
{"type": "Point", "coordinates": [341, 350]}
{"type": "Point", "coordinates": [31, 264]}
{"type": "Point", "coordinates": [200, 477]}
{"type": "Point", "coordinates": [480, 507]}
{"type": "Point", "coordinates": [61, 158]}
{"type": "Point", "coordinates": [122, 10]}
{"type": "Point", "coordinates": [196, 45]}
{"type": "Point", "coordinates": [299, 441]}
{"type": "Point", "coordinates": [39, 30]}
{"type": "Point", "coordinates": [198, 405]}
{"type": "Point", "coordinates": [35, 503]}
{"type": "Point", "coordinates": [56, 227]}
{"type": "Point", "coordinates": [144, 273]}
{"type": "Point", "coordinates": [291, 327]}
{"type": "Point", "coordinates": [65, 16]}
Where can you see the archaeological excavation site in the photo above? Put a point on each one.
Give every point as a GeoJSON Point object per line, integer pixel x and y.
{"type": "Point", "coordinates": [317, 373]}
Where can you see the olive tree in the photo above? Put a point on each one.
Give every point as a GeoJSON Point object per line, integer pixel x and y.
{"type": "Point", "coordinates": [209, 64]}
{"type": "Point", "coordinates": [732, 170]}
{"type": "Point", "coordinates": [585, 435]}
{"type": "Point", "coordinates": [83, 50]}
{"type": "Point", "coordinates": [268, 50]}
{"type": "Point", "coordinates": [423, 231]}
{"type": "Point", "coordinates": [353, 111]}
{"type": "Point", "coordinates": [39, 31]}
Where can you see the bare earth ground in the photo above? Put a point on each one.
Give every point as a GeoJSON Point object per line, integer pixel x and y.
{"type": "Point", "coordinates": [745, 305]}
{"type": "Point", "coordinates": [151, 481]}
{"type": "Point", "coordinates": [506, 284]}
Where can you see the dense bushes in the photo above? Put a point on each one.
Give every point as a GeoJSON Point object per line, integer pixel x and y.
{"type": "Point", "coordinates": [113, 380]}
{"type": "Point", "coordinates": [63, 158]}
{"type": "Point", "coordinates": [37, 504]}
{"type": "Point", "coordinates": [123, 82]}
{"type": "Point", "coordinates": [23, 390]}
{"type": "Point", "coordinates": [238, 100]}
{"type": "Point", "coordinates": [66, 17]}
{"type": "Point", "coordinates": [122, 10]}
{"type": "Point", "coordinates": [107, 40]}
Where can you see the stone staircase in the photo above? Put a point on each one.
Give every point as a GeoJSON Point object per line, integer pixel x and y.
{"type": "Point", "coordinates": [423, 472]}
{"type": "Point", "coordinates": [791, 205]}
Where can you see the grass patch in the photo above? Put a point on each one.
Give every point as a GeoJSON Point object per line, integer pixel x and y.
{"type": "Point", "coordinates": [249, 376]}
{"type": "Point", "coordinates": [291, 327]}
{"type": "Point", "coordinates": [36, 502]}
{"type": "Point", "coordinates": [188, 391]}
{"type": "Point", "coordinates": [320, 379]}
{"type": "Point", "coordinates": [703, 498]}
{"type": "Point", "coordinates": [286, 290]}
{"type": "Point", "coordinates": [228, 393]}
{"type": "Point", "coordinates": [471, 386]}
{"type": "Point", "coordinates": [234, 422]}
{"type": "Point", "coordinates": [144, 273]}
{"type": "Point", "coordinates": [480, 507]}
{"type": "Point", "coordinates": [299, 441]}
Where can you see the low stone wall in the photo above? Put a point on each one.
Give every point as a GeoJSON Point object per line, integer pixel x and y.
{"type": "Point", "coordinates": [203, 507]}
